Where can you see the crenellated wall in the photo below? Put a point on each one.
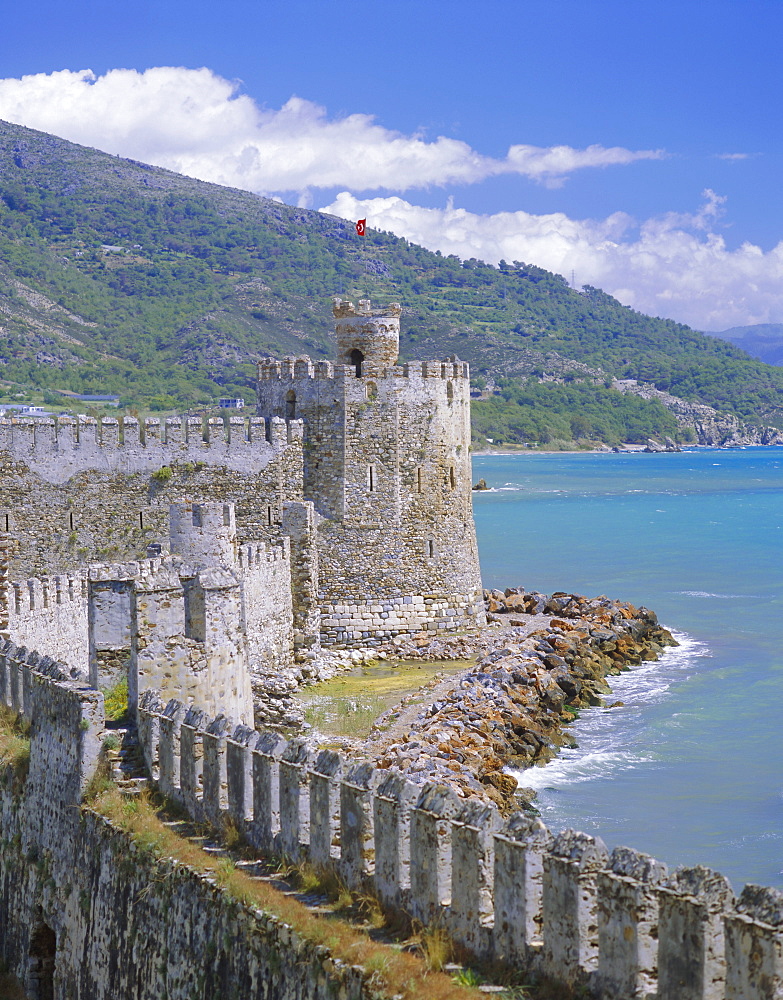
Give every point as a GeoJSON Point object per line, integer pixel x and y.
{"type": "Point", "coordinates": [103, 494]}
{"type": "Point", "coordinates": [61, 447]}
{"type": "Point", "coordinates": [195, 623]}
{"type": "Point", "coordinates": [264, 572]}
{"type": "Point", "coordinates": [51, 614]}
{"type": "Point", "coordinates": [66, 726]}
{"type": "Point", "coordinates": [561, 906]}
{"type": "Point", "coordinates": [88, 914]}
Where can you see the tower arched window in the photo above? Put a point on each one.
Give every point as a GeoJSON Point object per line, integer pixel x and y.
{"type": "Point", "coordinates": [356, 358]}
{"type": "Point", "coordinates": [290, 405]}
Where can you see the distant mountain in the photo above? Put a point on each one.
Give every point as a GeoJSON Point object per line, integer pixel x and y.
{"type": "Point", "coordinates": [116, 276]}
{"type": "Point", "coordinates": [763, 341]}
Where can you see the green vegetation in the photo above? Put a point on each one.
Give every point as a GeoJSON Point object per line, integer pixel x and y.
{"type": "Point", "coordinates": [14, 742]}
{"type": "Point", "coordinates": [119, 277]}
{"type": "Point", "coordinates": [115, 701]}
{"type": "Point", "coordinates": [348, 704]}
{"type": "Point", "coordinates": [544, 413]}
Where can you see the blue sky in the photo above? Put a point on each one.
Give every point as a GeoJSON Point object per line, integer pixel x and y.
{"type": "Point", "coordinates": [635, 144]}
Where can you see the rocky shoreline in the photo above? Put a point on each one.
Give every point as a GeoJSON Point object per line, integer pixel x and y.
{"type": "Point", "coordinates": [544, 658]}
{"type": "Point", "coordinates": [539, 660]}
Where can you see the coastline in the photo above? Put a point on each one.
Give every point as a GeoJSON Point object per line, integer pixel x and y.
{"type": "Point", "coordinates": [541, 658]}
{"type": "Point", "coordinates": [625, 449]}
{"type": "Point", "coordinates": [622, 450]}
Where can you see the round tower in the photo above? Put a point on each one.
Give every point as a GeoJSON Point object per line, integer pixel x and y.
{"type": "Point", "coordinates": [364, 336]}
{"type": "Point", "coordinates": [387, 466]}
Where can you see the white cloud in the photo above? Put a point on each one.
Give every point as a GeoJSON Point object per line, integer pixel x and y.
{"type": "Point", "coordinates": [197, 123]}
{"type": "Point", "coordinates": [673, 266]}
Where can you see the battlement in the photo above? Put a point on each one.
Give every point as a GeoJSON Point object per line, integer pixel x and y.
{"type": "Point", "coordinates": [303, 368]}
{"type": "Point", "coordinates": [51, 613]}
{"type": "Point", "coordinates": [57, 448]}
{"type": "Point", "coordinates": [49, 591]}
{"type": "Point", "coordinates": [254, 555]}
{"type": "Point", "coordinates": [344, 308]}
{"type": "Point", "coordinates": [562, 906]}
{"type": "Point", "coordinates": [67, 720]}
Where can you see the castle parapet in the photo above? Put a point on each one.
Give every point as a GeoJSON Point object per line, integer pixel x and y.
{"type": "Point", "coordinates": [616, 925]}
{"type": "Point", "coordinates": [204, 533]}
{"type": "Point", "coordinates": [51, 614]}
{"type": "Point", "coordinates": [59, 448]}
{"type": "Point", "coordinates": [304, 370]}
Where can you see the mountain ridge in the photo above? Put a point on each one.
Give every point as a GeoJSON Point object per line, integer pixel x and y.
{"type": "Point", "coordinates": [763, 341]}
{"type": "Point", "coordinates": [120, 276]}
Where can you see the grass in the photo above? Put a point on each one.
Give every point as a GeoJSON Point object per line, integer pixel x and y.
{"type": "Point", "coordinates": [399, 973]}
{"type": "Point", "coordinates": [348, 705]}
{"type": "Point", "coordinates": [436, 947]}
{"type": "Point", "coordinates": [14, 742]}
{"type": "Point", "coordinates": [115, 701]}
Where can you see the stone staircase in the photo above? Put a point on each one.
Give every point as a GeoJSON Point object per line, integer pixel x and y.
{"type": "Point", "coordinates": [126, 759]}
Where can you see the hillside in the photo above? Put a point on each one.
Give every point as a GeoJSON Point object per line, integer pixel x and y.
{"type": "Point", "coordinates": [763, 341]}
{"type": "Point", "coordinates": [120, 277]}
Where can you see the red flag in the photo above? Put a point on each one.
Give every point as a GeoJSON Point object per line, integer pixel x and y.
{"type": "Point", "coordinates": [360, 226]}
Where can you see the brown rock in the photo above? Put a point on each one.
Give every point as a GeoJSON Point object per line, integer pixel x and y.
{"type": "Point", "coordinates": [506, 784]}
{"type": "Point", "coordinates": [515, 602]}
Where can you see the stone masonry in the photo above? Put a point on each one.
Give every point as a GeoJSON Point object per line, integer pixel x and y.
{"type": "Point", "coordinates": [614, 924]}
{"type": "Point", "coordinates": [387, 467]}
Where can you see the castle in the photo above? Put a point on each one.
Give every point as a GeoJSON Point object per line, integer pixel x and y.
{"type": "Point", "coordinates": [339, 515]}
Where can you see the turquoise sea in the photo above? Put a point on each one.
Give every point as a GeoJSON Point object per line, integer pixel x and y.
{"type": "Point", "coordinates": [690, 769]}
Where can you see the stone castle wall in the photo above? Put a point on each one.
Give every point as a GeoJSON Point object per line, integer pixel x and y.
{"type": "Point", "coordinates": [264, 570]}
{"type": "Point", "coordinates": [66, 503]}
{"type": "Point", "coordinates": [387, 466]}
{"type": "Point", "coordinates": [51, 614]}
{"type": "Point", "coordinates": [507, 890]}
{"type": "Point", "coordinates": [85, 914]}
{"type": "Point", "coordinates": [124, 926]}
{"type": "Point", "coordinates": [59, 448]}
{"type": "Point", "coordinates": [381, 450]}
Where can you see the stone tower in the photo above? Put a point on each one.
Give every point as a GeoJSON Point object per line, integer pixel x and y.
{"type": "Point", "coordinates": [387, 466]}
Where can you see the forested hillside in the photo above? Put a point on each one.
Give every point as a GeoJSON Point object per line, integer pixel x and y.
{"type": "Point", "coordinates": [120, 277]}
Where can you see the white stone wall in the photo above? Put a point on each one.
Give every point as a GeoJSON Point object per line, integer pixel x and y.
{"type": "Point", "coordinates": [264, 571]}
{"type": "Point", "coordinates": [616, 924]}
{"type": "Point", "coordinates": [122, 924]}
{"type": "Point", "coordinates": [57, 449]}
{"type": "Point", "coordinates": [50, 615]}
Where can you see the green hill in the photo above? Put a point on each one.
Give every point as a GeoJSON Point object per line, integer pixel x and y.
{"type": "Point", "coordinates": [120, 277]}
